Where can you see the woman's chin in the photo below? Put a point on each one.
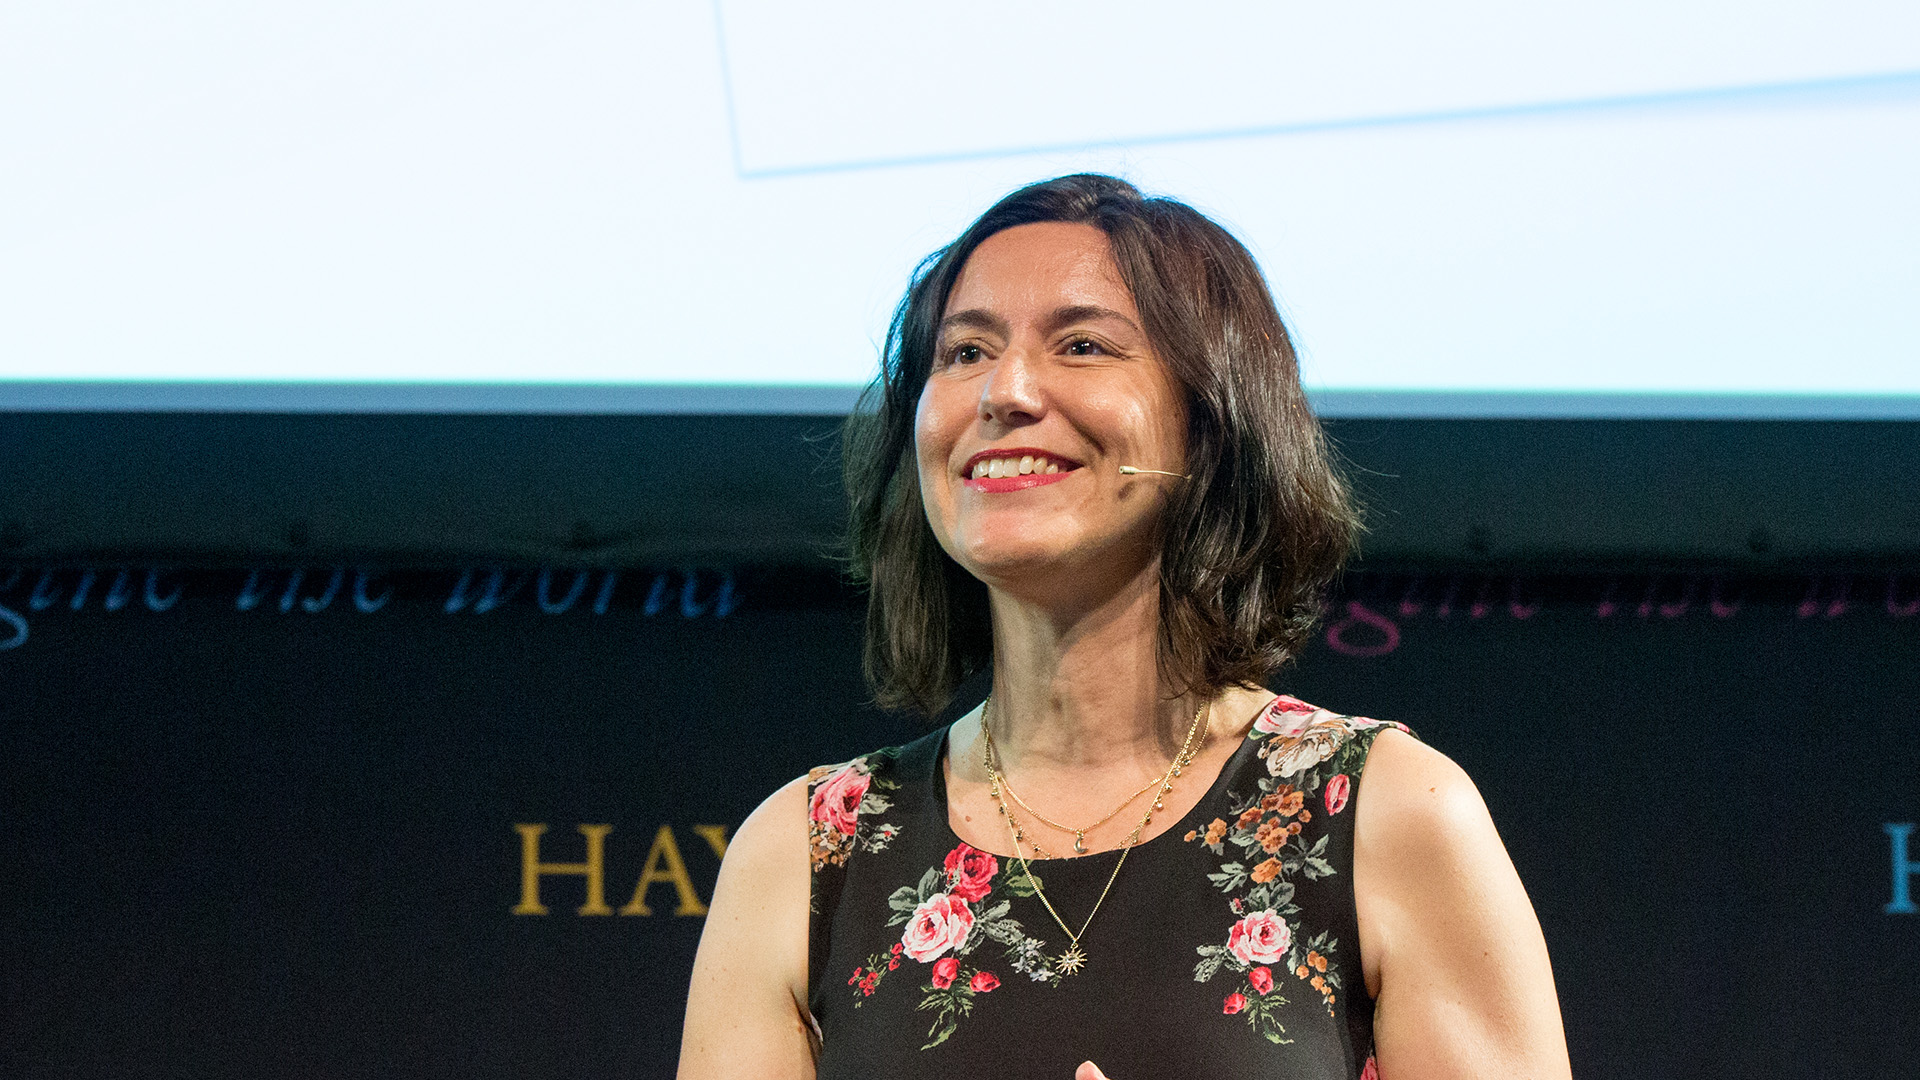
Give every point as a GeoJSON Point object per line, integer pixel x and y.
{"type": "Point", "coordinates": [1009, 562]}
{"type": "Point", "coordinates": [1033, 566]}
{"type": "Point", "coordinates": [1006, 559]}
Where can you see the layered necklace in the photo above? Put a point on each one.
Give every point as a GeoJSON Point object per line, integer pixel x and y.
{"type": "Point", "coordinates": [1074, 958]}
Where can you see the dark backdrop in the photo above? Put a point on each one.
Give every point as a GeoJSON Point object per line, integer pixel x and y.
{"type": "Point", "coordinates": [260, 827]}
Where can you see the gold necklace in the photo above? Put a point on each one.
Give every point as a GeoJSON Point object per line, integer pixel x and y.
{"type": "Point", "coordinates": [1000, 782]}
{"type": "Point", "coordinates": [1079, 835]}
{"type": "Point", "coordinates": [1073, 958]}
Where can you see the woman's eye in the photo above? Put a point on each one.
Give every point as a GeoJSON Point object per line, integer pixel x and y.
{"type": "Point", "coordinates": [965, 354]}
{"type": "Point", "coordinates": [1084, 347]}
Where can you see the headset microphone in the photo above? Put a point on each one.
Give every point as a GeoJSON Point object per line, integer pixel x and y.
{"type": "Point", "coordinates": [1132, 470]}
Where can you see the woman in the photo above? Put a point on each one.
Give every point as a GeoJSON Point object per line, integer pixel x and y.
{"type": "Point", "coordinates": [1088, 464]}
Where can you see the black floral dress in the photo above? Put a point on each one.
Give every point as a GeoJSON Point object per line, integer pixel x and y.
{"type": "Point", "coordinates": [1227, 947]}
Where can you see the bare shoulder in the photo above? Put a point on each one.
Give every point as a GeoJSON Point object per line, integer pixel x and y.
{"type": "Point", "coordinates": [773, 839]}
{"type": "Point", "coordinates": [746, 1005]}
{"type": "Point", "coordinates": [1415, 802]}
{"type": "Point", "coordinates": [1450, 946]}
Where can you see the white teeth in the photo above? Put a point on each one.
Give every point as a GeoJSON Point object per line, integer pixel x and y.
{"type": "Point", "coordinates": [1025, 465]}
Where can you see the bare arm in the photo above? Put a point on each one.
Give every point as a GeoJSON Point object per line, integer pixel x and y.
{"type": "Point", "coordinates": [1449, 942]}
{"type": "Point", "coordinates": [746, 1012]}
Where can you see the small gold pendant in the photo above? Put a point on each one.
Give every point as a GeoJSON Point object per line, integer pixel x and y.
{"type": "Point", "coordinates": [1071, 961]}
{"type": "Point", "coordinates": [1080, 842]}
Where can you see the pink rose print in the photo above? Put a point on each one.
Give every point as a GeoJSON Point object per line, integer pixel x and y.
{"type": "Point", "coordinates": [970, 872]}
{"type": "Point", "coordinates": [944, 971]}
{"type": "Point", "coordinates": [1234, 1003]}
{"type": "Point", "coordinates": [836, 800]}
{"type": "Point", "coordinates": [1372, 1071]}
{"type": "Point", "coordinates": [983, 982]}
{"type": "Point", "coordinates": [1284, 717]}
{"type": "Point", "coordinates": [939, 924]}
{"type": "Point", "coordinates": [1260, 938]}
{"type": "Point", "coordinates": [1261, 978]}
{"type": "Point", "coordinates": [1338, 789]}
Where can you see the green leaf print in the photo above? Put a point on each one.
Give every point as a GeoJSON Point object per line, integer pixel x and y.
{"type": "Point", "coordinates": [1022, 882]}
{"type": "Point", "coordinates": [929, 884]}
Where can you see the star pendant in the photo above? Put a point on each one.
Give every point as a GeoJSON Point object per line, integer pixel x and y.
{"type": "Point", "coordinates": [1071, 961]}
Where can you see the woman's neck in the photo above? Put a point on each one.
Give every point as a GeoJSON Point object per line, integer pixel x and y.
{"type": "Point", "coordinates": [1084, 690]}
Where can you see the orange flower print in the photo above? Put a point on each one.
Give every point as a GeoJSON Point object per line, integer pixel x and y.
{"type": "Point", "coordinates": [1291, 803]}
{"type": "Point", "coordinates": [1272, 836]}
{"type": "Point", "coordinates": [1216, 831]}
{"type": "Point", "coordinates": [1266, 871]}
{"type": "Point", "coordinates": [1248, 817]}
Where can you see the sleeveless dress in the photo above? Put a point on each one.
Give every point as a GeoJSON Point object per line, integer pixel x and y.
{"type": "Point", "coordinates": [1227, 947]}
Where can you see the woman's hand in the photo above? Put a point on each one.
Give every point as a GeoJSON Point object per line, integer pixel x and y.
{"type": "Point", "coordinates": [1088, 1071]}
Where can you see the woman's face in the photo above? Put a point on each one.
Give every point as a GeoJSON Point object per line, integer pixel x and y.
{"type": "Point", "coordinates": [1042, 387]}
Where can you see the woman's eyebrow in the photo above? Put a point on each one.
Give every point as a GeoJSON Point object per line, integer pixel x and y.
{"type": "Point", "coordinates": [1084, 313]}
{"type": "Point", "coordinates": [974, 319]}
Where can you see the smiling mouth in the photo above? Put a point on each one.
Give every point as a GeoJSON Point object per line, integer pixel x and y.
{"type": "Point", "coordinates": [1017, 464]}
{"type": "Point", "coordinates": [1016, 469]}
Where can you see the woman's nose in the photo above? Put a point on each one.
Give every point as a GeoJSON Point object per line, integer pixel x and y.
{"type": "Point", "coordinates": [1012, 394]}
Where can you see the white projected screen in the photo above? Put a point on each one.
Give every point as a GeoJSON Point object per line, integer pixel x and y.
{"type": "Point", "coordinates": [1636, 207]}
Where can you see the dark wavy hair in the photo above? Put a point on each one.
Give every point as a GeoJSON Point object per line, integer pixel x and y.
{"type": "Point", "coordinates": [1248, 546]}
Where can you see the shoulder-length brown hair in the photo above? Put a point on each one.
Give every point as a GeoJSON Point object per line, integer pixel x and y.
{"type": "Point", "coordinates": [1248, 545]}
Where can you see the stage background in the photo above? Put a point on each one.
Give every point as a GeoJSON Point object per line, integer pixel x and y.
{"type": "Point", "coordinates": [265, 827]}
